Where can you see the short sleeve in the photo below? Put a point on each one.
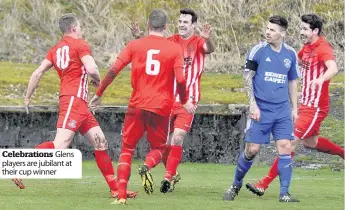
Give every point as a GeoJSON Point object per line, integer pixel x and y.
{"type": "Point", "coordinates": [83, 49]}
{"type": "Point", "coordinates": [294, 73]}
{"type": "Point", "coordinates": [49, 55]}
{"type": "Point", "coordinates": [252, 57]}
{"type": "Point", "coordinates": [126, 54]}
{"type": "Point", "coordinates": [253, 54]}
{"type": "Point", "coordinates": [300, 53]}
{"type": "Point", "coordinates": [326, 53]}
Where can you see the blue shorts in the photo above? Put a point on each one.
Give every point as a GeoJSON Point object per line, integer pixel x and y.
{"type": "Point", "coordinates": [275, 119]}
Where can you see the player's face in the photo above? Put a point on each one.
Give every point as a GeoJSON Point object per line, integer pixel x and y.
{"type": "Point", "coordinates": [77, 29]}
{"type": "Point", "coordinates": [274, 33]}
{"type": "Point", "coordinates": [185, 26]}
{"type": "Point", "coordinates": [306, 33]}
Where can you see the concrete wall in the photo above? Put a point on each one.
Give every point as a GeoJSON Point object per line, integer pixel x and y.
{"type": "Point", "coordinates": [216, 135]}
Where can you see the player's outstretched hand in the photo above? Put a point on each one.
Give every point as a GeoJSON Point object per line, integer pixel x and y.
{"type": "Point", "coordinates": [190, 107]}
{"type": "Point", "coordinates": [95, 103]}
{"type": "Point", "coordinates": [136, 32]}
{"type": "Point", "coordinates": [254, 112]}
{"type": "Point", "coordinates": [26, 104]}
{"type": "Point", "coordinates": [206, 31]}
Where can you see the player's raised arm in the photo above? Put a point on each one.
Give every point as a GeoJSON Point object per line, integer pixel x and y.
{"type": "Point", "coordinates": [136, 32]}
{"type": "Point", "coordinates": [91, 69]}
{"type": "Point", "coordinates": [209, 45]}
{"type": "Point", "coordinates": [35, 79]}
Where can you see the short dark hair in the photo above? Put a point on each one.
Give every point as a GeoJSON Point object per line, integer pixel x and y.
{"type": "Point", "coordinates": [157, 19]}
{"type": "Point", "coordinates": [67, 21]}
{"type": "Point", "coordinates": [189, 11]}
{"type": "Point", "coordinates": [279, 20]}
{"type": "Point", "coordinates": [313, 20]}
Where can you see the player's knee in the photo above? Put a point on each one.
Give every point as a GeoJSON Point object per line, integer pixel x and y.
{"type": "Point", "coordinates": [251, 151]}
{"type": "Point", "coordinates": [250, 155]}
{"type": "Point", "coordinates": [101, 143]}
{"type": "Point", "coordinates": [310, 142]}
{"type": "Point", "coordinates": [177, 140]}
{"type": "Point", "coordinates": [284, 147]}
{"type": "Point", "coordinates": [293, 147]}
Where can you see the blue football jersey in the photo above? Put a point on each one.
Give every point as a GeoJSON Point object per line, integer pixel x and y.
{"type": "Point", "coordinates": [273, 72]}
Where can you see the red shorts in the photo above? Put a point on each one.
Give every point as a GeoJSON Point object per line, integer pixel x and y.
{"type": "Point", "coordinates": [309, 121]}
{"type": "Point", "coordinates": [180, 118]}
{"type": "Point", "coordinates": [75, 115]}
{"type": "Point", "coordinates": [137, 121]}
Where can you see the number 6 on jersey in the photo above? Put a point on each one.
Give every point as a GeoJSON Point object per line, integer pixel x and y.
{"type": "Point", "coordinates": [149, 62]}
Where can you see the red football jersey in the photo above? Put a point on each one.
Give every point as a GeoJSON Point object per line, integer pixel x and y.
{"type": "Point", "coordinates": [194, 55]}
{"type": "Point", "coordinates": [156, 62]}
{"type": "Point", "coordinates": [313, 58]}
{"type": "Point", "coordinates": [66, 57]}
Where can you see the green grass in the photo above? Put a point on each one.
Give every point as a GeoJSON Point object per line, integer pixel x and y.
{"type": "Point", "coordinates": [216, 88]}
{"type": "Point", "coordinates": [201, 187]}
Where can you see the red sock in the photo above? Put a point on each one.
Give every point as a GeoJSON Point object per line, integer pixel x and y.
{"type": "Point", "coordinates": [326, 146]}
{"type": "Point", "coordinates": [105, 165]}
{"type": "Point", "coordinates": [154, 157]}
{"type": "Point", "coordinates": [124, 170]}
{"type": "Point", "coordinates": [273, 173]}
{"type": "Point", "coordinates": [46, 145]}
{"type": "Point", "coordinates": [173, 161]}
{"type": "Point", "coordinates": [166, 155]}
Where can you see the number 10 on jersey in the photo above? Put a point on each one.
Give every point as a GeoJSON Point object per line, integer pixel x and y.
{"type": "Point", "coordinates": [62, 57]}
{"type": "Point", "coordinates": [151, 62]}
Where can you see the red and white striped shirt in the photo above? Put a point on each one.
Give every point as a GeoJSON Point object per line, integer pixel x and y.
{"type": "Point", "coordinates": [313, 58]}
{"type": "Point", "coordinates": [66, 57]}
{"type": "Point", "coordinates": [194, 55]}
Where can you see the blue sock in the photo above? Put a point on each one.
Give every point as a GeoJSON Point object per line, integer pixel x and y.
{"type": "Point", "coordinates": [285, 173]}
{"type": "Point", "coordinates": [243, 166]}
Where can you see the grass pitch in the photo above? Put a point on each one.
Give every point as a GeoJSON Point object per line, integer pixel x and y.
{"type": "Point", "coordinates": [201, 187]}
